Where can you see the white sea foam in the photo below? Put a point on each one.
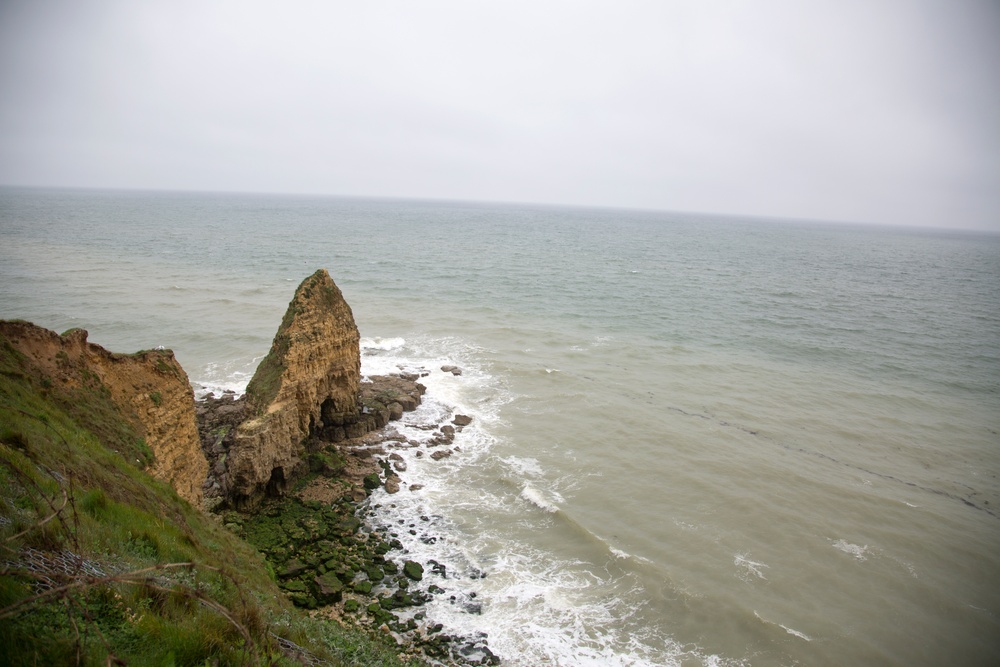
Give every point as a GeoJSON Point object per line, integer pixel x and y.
{"type": "Point", "coordinates": [856, 550]}
{"type": "Point", "coordinates": [219, 378]}
{"type": "Point", "coordinates": [796, 633]}
{"type": "Point", "coordinates": [524, 466]}
{"type": "Point", "coordinates": [747, 567]}
{"type": "Point", "coordinates": [538, 499]}
{"type": "Point", "coordinates": [384, 344]}
{"type": "Point", "coordinates": [685, 525]}
{"type": "Point", "coordinates": [791, 631]}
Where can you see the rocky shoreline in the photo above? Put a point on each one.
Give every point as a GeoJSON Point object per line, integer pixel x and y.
{"type": "Point", "coordinates": [290, 466]}
{"type": "Point", "coordinates": [324, 553]}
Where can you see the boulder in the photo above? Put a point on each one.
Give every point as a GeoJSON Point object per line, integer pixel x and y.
{"type": "Point", "coordinates": [392, 484]}
{"type": "Point", "coordinates": [413, 570]}
{"type": "Point", "coordinates": [329, 588]}
{"type": "Point", "coordinates": [293, 568]}
{"type": "Point", "coordinates": [372, 481]}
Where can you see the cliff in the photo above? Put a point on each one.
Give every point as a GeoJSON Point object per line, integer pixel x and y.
{"type": "Point", "coordinates": [149, 388]}
{"type": "Point", "coordinates": [102, 563]}
{"type": "Point", "coordinates": [308, 382]}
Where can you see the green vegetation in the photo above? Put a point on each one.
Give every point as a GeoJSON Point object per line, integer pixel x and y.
{"type": "Point", "coordinates": [327, 461]}
{"type": "Point", "coordinates": [101, 564]}
{"type": "Point", "coordinates": [266, 381]}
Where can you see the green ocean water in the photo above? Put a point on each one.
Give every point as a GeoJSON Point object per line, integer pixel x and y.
{"type": "Point", "coordinates": [697, 440]}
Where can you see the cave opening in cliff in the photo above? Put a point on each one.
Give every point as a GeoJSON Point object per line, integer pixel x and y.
{"type": "Point", "coordinates": [276, 485]}
{"type": "Point", "coordinates": [329, 411]}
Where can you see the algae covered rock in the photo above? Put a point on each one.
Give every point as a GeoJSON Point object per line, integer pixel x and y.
{"type": "Point", "coordinates": [328, 588]}
{"type": "Point", "coordinates": [413, 570]}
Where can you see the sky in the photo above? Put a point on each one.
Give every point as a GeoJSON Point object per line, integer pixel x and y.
{"type": "Point", "coordinates": [872, 111]}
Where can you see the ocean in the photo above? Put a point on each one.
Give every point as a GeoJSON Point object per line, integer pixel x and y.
{"type": "Point", "coordinates": [696, 439]}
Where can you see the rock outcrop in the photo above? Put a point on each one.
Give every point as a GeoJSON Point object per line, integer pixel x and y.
{"type": "Point", "coordinates": [149, 388]}
{"type": "Point", "coordinates": [308, 382]}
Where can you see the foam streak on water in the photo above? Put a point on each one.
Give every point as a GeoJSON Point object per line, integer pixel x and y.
{"type": "Point", "coordinates": [695, 440]}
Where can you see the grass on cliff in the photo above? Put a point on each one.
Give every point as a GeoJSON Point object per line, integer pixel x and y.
{"type": "Point", "coordinates": [101, 564]}
{"type": "Point", "coordinates": [266, 380]}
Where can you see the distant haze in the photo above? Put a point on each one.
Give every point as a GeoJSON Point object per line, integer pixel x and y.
{"type": "Point", "coordinates": [883, 111]}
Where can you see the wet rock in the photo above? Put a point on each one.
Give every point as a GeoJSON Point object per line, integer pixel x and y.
{"type": "Point", "coordinates": [413, 570]}
{"type": "Point", "coordinates": [454, 370]}
{"type": "Point", "coordinates": [392, 484]}
{"type": "Point", "coordinates": [294, 586]}
{"type": "Point", "coordinates": [372, 481]}
{"type": "Point", "coordinates": [293, 568]}
{"type": "Point", "coordinates": [303, 600]}
{"type": "Point", "coordinates": [461, 420]}
{"type": "Point", "coordinates": [328, 588]}
{"type": "Point", "coordinates": [416, 487]}
{"type": "Point", "coordinates": [441, 454]}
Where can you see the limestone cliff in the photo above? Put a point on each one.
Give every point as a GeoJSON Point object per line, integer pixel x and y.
{"type": "Point", "coordinates": [308, 381]}
{"type": "Point", "coordinates": [149, 388]}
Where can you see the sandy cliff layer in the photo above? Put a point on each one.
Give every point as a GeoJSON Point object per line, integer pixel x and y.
{"type": "Point", "coordinates": [149, 388]}
{"type": "Point", "coordinates": [308, 382]}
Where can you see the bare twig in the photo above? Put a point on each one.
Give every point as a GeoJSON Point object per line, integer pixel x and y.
{"type": "Point", "coordinates": [136, 577]}
{"type": "Point", "coordinates": [77, 582]}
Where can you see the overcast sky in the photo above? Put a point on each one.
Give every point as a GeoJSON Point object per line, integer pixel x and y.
{"type": "Point", "coordinates": [881, 111]}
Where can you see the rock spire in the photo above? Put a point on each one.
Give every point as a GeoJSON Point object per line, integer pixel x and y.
{"type": "Point", "coordinates": [309, 381]}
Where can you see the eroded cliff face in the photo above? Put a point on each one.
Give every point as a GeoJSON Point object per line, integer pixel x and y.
{"type": "Point", "coordinates": [308, 382]}
{"type": "Point", "coordinates": [149, 388]}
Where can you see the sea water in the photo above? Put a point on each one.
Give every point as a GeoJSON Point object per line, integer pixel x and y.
{"type": "Point", "coordinates": [696, 440]}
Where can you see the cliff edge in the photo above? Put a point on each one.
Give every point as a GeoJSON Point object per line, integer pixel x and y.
{"type": "Point", "coordinates": [309, 381]}
{"type": "Point", "coordinates": [149, 388]}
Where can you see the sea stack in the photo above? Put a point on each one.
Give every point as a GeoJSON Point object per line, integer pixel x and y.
{"type": "Point", "coordinates": [309, 381]}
